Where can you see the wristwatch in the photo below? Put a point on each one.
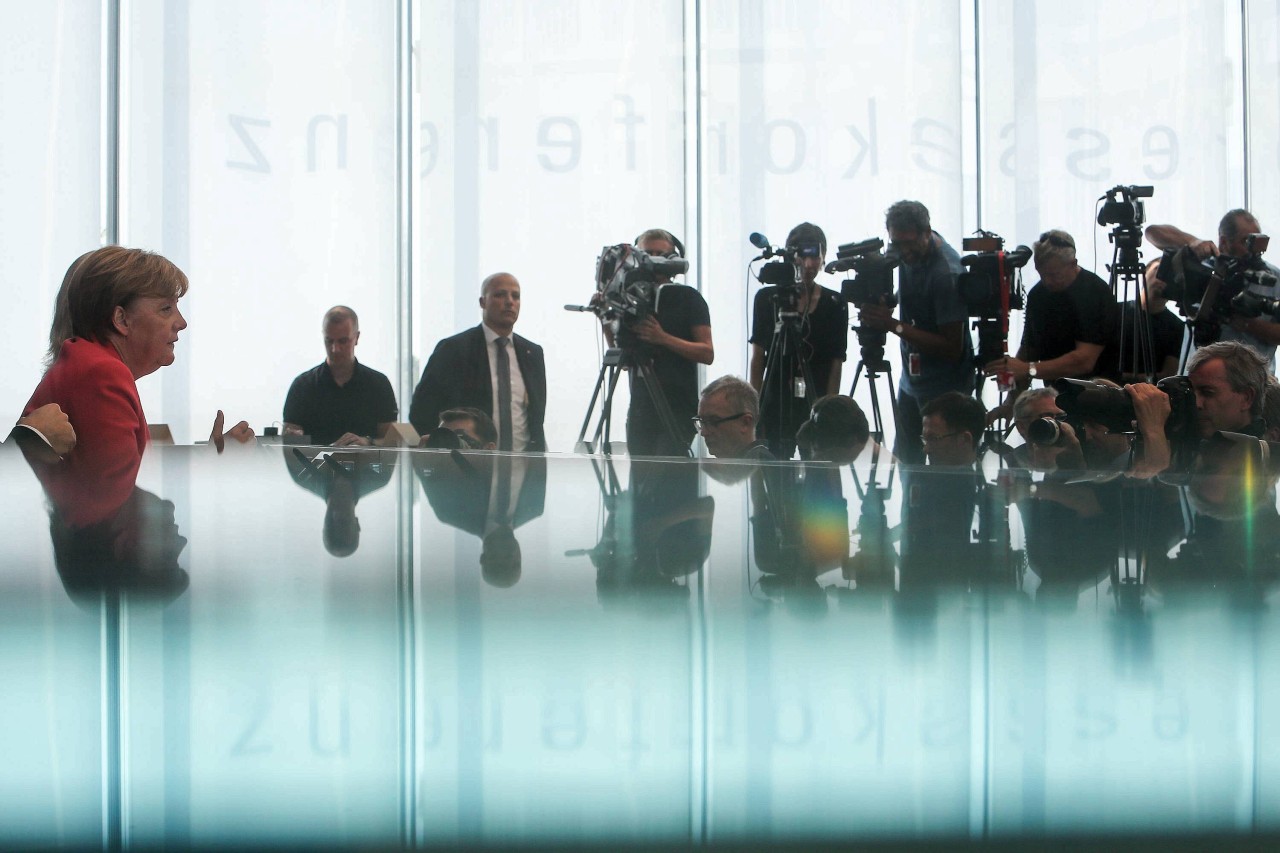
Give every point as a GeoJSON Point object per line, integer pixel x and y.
{"type": "Point", "coordinates": [1034, 369]}
{"type": "Point", "coordinates": [897, 330]}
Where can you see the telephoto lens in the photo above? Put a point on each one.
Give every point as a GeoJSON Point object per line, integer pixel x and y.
{"type": "Point", "coordinates": [1045, 431]}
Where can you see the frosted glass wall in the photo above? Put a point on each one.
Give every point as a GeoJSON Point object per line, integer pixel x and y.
{"type": "Point", "coordinates": [259, 145]}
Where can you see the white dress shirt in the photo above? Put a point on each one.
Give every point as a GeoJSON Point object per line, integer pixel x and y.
{"type": "Point", "coordinates": [519, 394]}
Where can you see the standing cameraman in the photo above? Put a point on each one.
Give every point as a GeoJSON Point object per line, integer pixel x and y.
{"type": "Point", "coordinates": [937, 353]}
{"type": "Point", "coordinates": [824, 333]}
{"type": "Point", "coordinates": [677, 338]}
{"type": "Point", "coordinates": [1070, 320]}
{"type": "Point", "coordinates": [1258, 333]}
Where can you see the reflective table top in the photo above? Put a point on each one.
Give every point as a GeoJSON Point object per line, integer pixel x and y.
{"type": "Point", "coordinates": [405, 647]}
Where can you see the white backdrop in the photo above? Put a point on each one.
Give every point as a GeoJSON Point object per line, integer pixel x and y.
{"type": "Point", "coordinates": [259, 152]}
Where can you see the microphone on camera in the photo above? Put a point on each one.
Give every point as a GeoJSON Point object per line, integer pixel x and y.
{"type": "Point", "coordinates": [761, 242]}
{"type": "Point", "coordinates": [577, 308]}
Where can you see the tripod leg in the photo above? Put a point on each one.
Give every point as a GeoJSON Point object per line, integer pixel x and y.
{"type": "Point", "coordinates": [591, 407]}
{"type": "Point", "coordinates": [660, 403]}
{"type": "Point", "coordinates": [606, 414]}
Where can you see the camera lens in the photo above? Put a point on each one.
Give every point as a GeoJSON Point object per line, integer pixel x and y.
{"type": "Point", "coordinates": [1045, 431]}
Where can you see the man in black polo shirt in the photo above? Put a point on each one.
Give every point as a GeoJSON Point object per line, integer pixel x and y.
{"type": "Point", "coordinates": [1069, 322]}
{"type": "Point", "coordinates": [340, 401]}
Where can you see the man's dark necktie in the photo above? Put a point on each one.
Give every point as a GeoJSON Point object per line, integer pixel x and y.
{"type": "Point", "coordinates": [504, 395]}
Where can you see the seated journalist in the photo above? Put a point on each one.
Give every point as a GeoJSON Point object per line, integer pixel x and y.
{"type": "Point", "coordinates": [340, 401]}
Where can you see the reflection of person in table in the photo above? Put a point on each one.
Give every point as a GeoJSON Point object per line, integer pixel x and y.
{"type": "Point", "coordinates": [487, 495]}
{"type": "Point", "coordinates": [341, 479]}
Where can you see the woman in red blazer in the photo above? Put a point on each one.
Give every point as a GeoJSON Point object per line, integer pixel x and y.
{"type": "Point", "coordinates": [116, 320]}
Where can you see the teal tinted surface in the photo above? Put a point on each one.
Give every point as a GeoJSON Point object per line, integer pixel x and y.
{"type": "Point", "coordinates": [681, 653]}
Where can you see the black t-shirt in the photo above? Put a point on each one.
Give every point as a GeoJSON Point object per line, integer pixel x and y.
{"type": "Point", "coordinates": [824, 333]}
{"type": "Point", "coordinates": [1055, 320]}
{"type": "Point", "coordinates": [680, 310]}
{"type": "Point", "coordinates": [326, 412]}
{"type": "Point", "coordinates": [1166, 337]}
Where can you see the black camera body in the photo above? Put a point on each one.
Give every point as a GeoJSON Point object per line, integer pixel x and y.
{"type": "Point", "coordinates": [989, 274]}
{"type": "Point", "coordinates": [872, 283]}
{"type": "Point", "coordinates": [1085, 400]}
{"type": "Point", "coordinates": [1122, 206]}
{"type": "Point", "coordinates": [1214, 291]}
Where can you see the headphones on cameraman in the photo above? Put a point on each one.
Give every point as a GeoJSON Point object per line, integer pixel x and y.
{"type": "Point", "coordinates": [666, 235]}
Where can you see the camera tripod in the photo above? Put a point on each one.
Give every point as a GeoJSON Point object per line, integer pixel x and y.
{"type": "Point", "coordinates": [1136, 340]}
{"type": "Point", "coordinates": [871, 359]}
{"type": "Point", "coordinates": [616, 360]}
{"type": "Point", "coordinates": [787, 394]}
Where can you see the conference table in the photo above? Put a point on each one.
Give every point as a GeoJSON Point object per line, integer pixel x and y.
{"type": "Point", "coordinates": [291, 645]}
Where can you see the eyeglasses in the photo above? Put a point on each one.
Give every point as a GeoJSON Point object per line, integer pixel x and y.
{"type": "Point", "coordinates": [704, 421]}
{"type": "Point", "coordinates": [926, 438]}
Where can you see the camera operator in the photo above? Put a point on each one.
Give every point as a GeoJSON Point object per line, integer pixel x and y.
{"type": "Point", "coordinates": [1230, 384]}
{"type": "Point", "coordinates": [1069, 322]}
{"type": "Point", "coordinates": [1258, 333]}
{"type": "Point", "coordinates": [936, 349]}
{"type": "Point", "coordinates": [824, 328]}
{"type": "Point", "coordinates": [678, 335]}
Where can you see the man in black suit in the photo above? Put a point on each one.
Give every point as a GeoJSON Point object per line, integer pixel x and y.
{"type": "Point", "coordinates": [475, 369]}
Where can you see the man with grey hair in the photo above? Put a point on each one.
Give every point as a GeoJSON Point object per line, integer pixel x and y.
{"type": "Point", "coordinates": [1258, 333]}
{"type": "Point", "coordinates": [728, 412]}
{"type": "Point", "coordinates": [1230, 383]}
{"type": "Point", "coordinates": [1068, 323]}
{"type": "Point", "coordinates": [340, 401]}
{"type": "Point", "coordinates": [490, 368]}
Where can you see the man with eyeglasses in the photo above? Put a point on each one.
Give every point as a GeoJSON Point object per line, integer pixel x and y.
{"type": "Point", "coordinates": [952, 426]}
{"type": "Point", "coordinates": [728, 412]}
{"type": "Point", "coordinates": [937, 352]}
{"type": "Point", "coordinates": [1069, 321]}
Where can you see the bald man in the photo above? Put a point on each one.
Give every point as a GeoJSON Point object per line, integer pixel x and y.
{"type": "Point", "coordinates": [489, 368]}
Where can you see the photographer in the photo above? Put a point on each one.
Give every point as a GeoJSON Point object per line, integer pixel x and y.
{"type": "Point", "coordinates": [824, 330]}
{"type": "Point", "coordinates": [1230, 384]}
{"type": "Point", "coordinates": [678, 338]}
{"type": "Point", "coordinates": [1258, 333]}
{"type": "Point", "coordinates": [936, 349]}
{"type": "Point", "coordinates": [1069, 322]}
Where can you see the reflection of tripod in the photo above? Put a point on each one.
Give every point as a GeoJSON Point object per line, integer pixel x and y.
{"type": "Point", "coordinates": [872, 360]}
{"type": "Point", "coordinates": [787, 388]}
{"type": "Point", "coordinates": [616, 360]}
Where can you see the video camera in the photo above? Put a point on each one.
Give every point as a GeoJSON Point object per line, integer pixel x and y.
{"type": "Point", "coordinates": [990, 287]}
{"type": "Point", "coordinates": [627, 281]}
{"type": "Point", "coordinates": [784, 272]}
{"type": "Point", "coordinates": [1122, 206]}
{"type": "Point", "coordinates": [872, 284]}
{"type": "Point", "coordinates": [1214, 291]}
{"type": "Point", "coordinates": [990, 274]}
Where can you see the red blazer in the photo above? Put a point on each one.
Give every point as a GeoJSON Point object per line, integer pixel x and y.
{"type": "Point", "coordinates": [95, 388]}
